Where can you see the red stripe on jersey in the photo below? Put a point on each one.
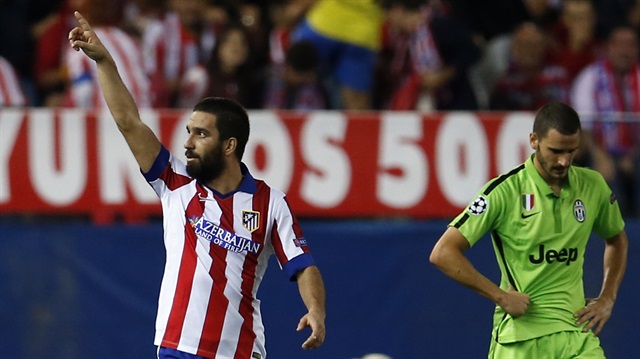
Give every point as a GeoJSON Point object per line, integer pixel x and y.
{"type": "Point", "coordinates": [277, 244]}
{"type": "Point", "coordinates": [185, 277]}
{"type": "Point", "coordinates": [174, 180]}
{"type": "Point", "coordinates": [218, 302]}
{"type": "Point", "coordinates": [247, 334]}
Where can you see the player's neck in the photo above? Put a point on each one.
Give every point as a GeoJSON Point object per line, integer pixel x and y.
{"type": "Point", "coordinates": [229, 180]}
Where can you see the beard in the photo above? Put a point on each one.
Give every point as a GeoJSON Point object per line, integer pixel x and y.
{"type": "Point", "coordinates": [207, 167]}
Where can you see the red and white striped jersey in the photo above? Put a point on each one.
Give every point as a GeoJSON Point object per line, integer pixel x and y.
{"type": "Point", "coordinates": [218, 248]}
{"type": "Point", "coordinates": [84, 90]}
{"type": "Point", "coordinates": [11, 93]}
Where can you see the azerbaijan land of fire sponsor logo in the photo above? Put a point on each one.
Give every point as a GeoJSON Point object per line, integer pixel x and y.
{"type": "Point", "coordinates": [250, 220]}
{"type": "Point", "coordinates": [221, 237]}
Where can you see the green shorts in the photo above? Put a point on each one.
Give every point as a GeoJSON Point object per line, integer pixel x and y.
{"type": "Point", "coordinates": [569, 344]}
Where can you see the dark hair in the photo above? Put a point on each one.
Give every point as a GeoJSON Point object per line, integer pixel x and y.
{"type": "Point", "coordinates": [557, 116]}
{"type": "Point", "coordinates": [231, 120]}
{"type": "Point", "coordinates": [302, 56]}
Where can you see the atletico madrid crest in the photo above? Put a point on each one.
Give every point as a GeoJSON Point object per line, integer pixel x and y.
{"type": "Point", "coordinates": [528, 202]}
{"type": "Point", "coordinates": [250, 220]}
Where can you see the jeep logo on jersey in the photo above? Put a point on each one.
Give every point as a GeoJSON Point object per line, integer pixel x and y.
{"type": "Point", "coordinates": [579, 210]}
{"type": "Point", "coordinates": [564, 255]}
{"type": "Point", "coordinates": [250, 220]}
{"type": "Point", "coordinates": [479, 206]}
{"type": "Point", "coordinates": [221, 237]}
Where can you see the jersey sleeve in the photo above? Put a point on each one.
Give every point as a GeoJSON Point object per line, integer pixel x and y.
{"type": "Point", "coordinates": [480, 216]}
{"type": "Point", "coordinates": [609, 221]}
{"type": "Point", "coordinates": [289, 243]}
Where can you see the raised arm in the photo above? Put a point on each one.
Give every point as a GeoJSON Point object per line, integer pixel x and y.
{"type": "Point", "coordinates": [314, 297]}
{"type": "Point", "coordinates": [448, 256]}
{"type": "Point", "coordinates": [598, 311]}
{"type": "Point", "coordinates": [143, 142]}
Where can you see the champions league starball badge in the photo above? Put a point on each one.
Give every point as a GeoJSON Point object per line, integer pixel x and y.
{"type": "Point", "coordinates": [479, 206]}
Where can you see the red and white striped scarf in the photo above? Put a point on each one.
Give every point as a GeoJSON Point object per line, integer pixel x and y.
{"type": "Point", "coordinates": [618, 103]}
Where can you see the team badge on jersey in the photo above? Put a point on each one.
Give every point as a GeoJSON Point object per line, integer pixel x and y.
{"type": "Point", "coordinates": [479, 206]}
{"type": "Point", "coordinates": [528, 201]}
{"type": "Point", "coordinates": [250, 220]}
{"type": "Point", "coordinates": [579, 211]}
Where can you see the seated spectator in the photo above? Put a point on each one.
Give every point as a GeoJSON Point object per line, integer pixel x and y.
{"type": "Point", "coordinates": [83, 89]}
{"type": "Point", "coordinates": [294, 85]}
{"type": "Point", "coordinates": [607, 95]}
{"type": "Point", "coordinates": [11, 93]}
{"type": "Point", "coordinates": [575, 43]}
{"type": "Point", "coordinates": [531, 79]}
{"type": "Point", "coordinates": [425, 58]}
{"type": "Point", "coordinates": [229, 74]}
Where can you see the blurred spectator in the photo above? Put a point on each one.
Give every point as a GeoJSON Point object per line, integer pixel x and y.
{"type": "Point", "coordinates": [347, 37]}
{"type": "Point", "coordinates": [11, 93]}
{"type": "Point", "coordinates": [295, 85]}
{"type": "Point", "coordinates": [425, 59]}
{"type": "Point", "coordinates": [531, 79]}
{"type": "Point", "coordinates": [285, 15]}
{"type": "Point", "coordinates": [170, 48]}
{"type": "Point", "coordinates": [229, 74]}
{"type": "Point", "coordinates": [181, 38]}
{"type": "Point", "coordinates": [140, 14]}
{"type": "Point", "coordinates": [607, 94]}
{"type": "Point", "coordinates": [575, 42]}
{"type": "Point", "coordinates": [51, 44]}
{"type": "Point", "coordinates": [21, 23]}
{"type": "Point", "coordinates": [83, 89]}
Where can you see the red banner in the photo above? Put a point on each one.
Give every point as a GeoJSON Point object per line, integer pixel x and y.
{"type": "Point", "coordinates": [330, 164]}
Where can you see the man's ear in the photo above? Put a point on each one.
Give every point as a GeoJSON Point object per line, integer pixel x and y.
{"type": "Point", "coordinates": [231, 145]}
{"type": "Point", "coordinates": [533, 140]}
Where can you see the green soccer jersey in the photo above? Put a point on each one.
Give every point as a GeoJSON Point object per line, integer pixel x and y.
{"type": "Point", "coordinates": [539, 239]}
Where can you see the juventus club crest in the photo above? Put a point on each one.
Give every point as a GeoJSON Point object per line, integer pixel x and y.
{"type": "Point", "coordinates": [579, 211]}
{"type": "Point", "coordinates": [250, 220]}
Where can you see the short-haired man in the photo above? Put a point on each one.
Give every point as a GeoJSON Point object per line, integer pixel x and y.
{"type": "Point", "coordinates": [220, 226]}
{"type": "Point", "coordinates": [540, 216]}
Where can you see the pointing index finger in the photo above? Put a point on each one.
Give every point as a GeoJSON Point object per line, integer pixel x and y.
{"type": "Point", "coordinates": [82, 21]}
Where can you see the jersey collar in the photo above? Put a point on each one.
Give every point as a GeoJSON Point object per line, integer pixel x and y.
{"type": "Point", "coordinates": [542, 185]}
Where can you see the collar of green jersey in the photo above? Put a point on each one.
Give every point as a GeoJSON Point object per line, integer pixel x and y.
{"type": "Point", "coordinates": [542, 185]}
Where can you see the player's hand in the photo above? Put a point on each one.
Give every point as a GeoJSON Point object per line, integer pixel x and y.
{"type": "Point", "coordinates": [596, 313]}
{"type": "Point", "coordinates": [515, 303]}
{"type": "Point", "coordinates": [316, 323]}
{"type": "Point", "coordinates": [83, 37]}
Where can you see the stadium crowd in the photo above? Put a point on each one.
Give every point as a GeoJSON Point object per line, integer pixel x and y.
{"type": "Point", "coordinates": [420, 55]}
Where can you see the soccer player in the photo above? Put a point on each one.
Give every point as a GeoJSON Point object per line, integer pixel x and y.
{"type": "Point", "coordinates": [540, 216]}
{"type": "Point", "coordinates": [220, 226]}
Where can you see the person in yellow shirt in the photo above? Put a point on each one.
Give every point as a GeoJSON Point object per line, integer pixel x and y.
{"type": "Point", "coordinates": [347, 38]}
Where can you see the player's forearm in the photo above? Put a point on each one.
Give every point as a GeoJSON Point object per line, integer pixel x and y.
{"type": "Point", "coordinates": [457, 267]}
{"type": "Point", "coordinates": [614, 265]}
{"type": "Point", "coordinates": [119, 100]}
{"type": "Point", "coordinates": [312, 290]}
